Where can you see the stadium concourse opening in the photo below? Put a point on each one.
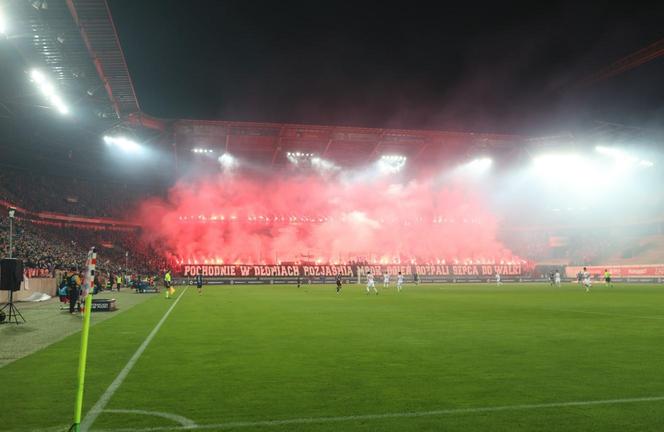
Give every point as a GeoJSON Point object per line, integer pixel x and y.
{"type": "Point", "coordinates": [421, 220]}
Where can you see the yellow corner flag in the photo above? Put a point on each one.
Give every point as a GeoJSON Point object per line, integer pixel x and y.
{"type": "Point", "coordinates": [88, 284]}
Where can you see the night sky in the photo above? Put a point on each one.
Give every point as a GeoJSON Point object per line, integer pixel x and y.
{"type": "Point", "coordinates": [464, 66]}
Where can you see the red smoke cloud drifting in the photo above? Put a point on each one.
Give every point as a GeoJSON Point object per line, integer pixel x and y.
{"type": "Point", "coordinates": [245, 220]}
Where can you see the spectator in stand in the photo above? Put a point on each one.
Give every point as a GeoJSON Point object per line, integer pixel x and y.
{"type": "Point", "coordinates": [48, 248]}
{"type": "Point", "coordinates": [39, 192]}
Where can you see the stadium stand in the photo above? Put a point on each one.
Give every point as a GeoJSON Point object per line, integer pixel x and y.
{"type": "Point", "coordinates": [48, 247]}
{"type": "Point", "coordinates": [635, 243]}
{"type": "Point", "coordinates": [642, 250]}
{"type": "Point", "coordinates": [69, 195]}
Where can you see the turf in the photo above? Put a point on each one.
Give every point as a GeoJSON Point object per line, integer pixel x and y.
{"type": "Point", "coordinates": [48, 322]}
{"type": "Point", "coordinates": [238, 355]}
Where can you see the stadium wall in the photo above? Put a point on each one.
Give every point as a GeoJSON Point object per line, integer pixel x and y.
{"type": "Point", "coordinates": [286, 274]}
{"type": "Point", "coordinates": [620, 271]}
{"type": "Point", "coordinates": [315, 271]}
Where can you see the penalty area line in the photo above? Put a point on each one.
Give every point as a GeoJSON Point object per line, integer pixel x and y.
{"type": "Point", "coordinates": [442, 412]}
{"type": "Point", "coordinates": [98, 407]}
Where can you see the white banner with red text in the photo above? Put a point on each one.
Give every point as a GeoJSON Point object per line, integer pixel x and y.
{"type": "Point", "coordinates": [253, 271]}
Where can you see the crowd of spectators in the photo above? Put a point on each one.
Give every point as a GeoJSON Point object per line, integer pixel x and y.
{"type": "Point", "coordinates": [36, 250]}
{"type": "Point", "coordinates": [46, 247]}
{"type": "Point", "coordinates": [38, 192]}
{"type": "Point", "coordinates": [53, 247]}
{"type": "Point", "coordinates": [587, 247]}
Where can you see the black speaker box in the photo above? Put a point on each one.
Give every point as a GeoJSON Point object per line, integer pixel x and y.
{"type": "Point", "coordinates": [11, 274]}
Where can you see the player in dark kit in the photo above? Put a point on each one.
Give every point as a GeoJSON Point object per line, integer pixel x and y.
{"type": "Point", "coordinates": [338, 284]}
{"type": "Point", "coordinates": [199, 282]}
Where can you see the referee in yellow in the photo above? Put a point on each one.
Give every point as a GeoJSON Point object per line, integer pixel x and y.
{"type": "Point", "coordinates": [607, 277]}
{"type": "Point", "coordinates": [170, 291]}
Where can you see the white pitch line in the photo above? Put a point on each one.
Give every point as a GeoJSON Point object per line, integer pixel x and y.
{"type": "Point", "coordinates": [94, 412]}
{"type": "Point", "coordinates": [184, 421]}
{"type": "Point", "coordinates": [608, 314]}
{"type": "Point", "coordinates": [450, 411]}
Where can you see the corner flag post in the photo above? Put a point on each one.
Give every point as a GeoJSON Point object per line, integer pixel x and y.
{"type": "Point", "coordinates": [88, 284]}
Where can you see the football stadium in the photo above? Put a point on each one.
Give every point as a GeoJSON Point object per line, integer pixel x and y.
{"type": "Point", "coordinates": [323, 216]}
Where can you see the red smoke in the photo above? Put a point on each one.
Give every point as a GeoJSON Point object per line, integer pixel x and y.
{"type": "Point", "coordinates": [243, 220]}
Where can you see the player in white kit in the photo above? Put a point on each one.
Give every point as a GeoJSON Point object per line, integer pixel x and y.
{"type": "Point", "coordinates": [386, 280]}
{"type": "Point", "coordinates": [586, 279]}
{"type": "Point", "coordinates": [556, 278]}
{"type": "Point", "coordinates": [399, 281]}
{"type": "Point", "coordinates": [370, 283]}
{"type": "Point", "coordinates": [498, 282]}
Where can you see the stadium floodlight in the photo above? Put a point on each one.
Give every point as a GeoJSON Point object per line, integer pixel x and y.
{"type": "Point", "coordinates": [391, 163]}
{"type": "Point", "coordinates": [227, 161]}
{"type": "Point", "coordinates": [609, 151]}
{"type": "Point", "coordinates": [47, 89]}
{"type": "Point", "coordinates": [479, 165]}
{"type": "Point", "coordinates": [3, 23]}
{"type": "Point", "coordinates": [297, 157]}
{"type": "Point", "coordinates": [393, 158]}
{"type": "Point", "coordinates": [323, 165]}
{"type": "Point", "coordinates": [554, 161]}
{"type": "Point", "coordinates": [202, 150]}
{"type": "Point", "coordinates": [122, 143]}
{"type": "Point", "coordinates": [561, 165]}
{"type": "Point", "coordinates": [571, 172]}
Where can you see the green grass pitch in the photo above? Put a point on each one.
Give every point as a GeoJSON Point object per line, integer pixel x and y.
{"type": "Point", "coordinates": [458, 357]}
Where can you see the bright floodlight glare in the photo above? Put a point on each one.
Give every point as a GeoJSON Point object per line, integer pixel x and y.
{"type": "Point", "coordinates": [558, 162]}
{"type": "Point", "coordinates": [480, 164]}
{"type": "Point", "coordinates": [606, 150]}
{"type": "Point", "coordinates": [48, 90]}
{"type": "Point", "coordinates": [122, 143]}
{"type": "Point", "coordinates": [391, 163]}
{"type": "Point", "coordinates": [323, 165]}
{"type": "Point", "coordinates": [3, 23]}
{"type": "Point", "coordinates": [59, 105]}
{"type": "Point", "coordinates": [37, 76]}
{"type": "Point", "coordinates": [227, 160]}
{"type": "Point", "coordinates": [572, 173]}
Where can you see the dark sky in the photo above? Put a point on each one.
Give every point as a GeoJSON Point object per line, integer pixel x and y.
{"type": "Point", "coordinates": [461, 66]}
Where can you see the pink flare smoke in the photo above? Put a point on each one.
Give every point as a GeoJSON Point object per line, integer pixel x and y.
{"type": "Point", "coordinates": [243, 220]}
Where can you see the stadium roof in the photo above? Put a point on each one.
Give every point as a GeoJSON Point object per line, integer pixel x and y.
{"type": "Point", "coordinates": [95, 23]}
{"type": "Point", "coordinates": [270, 142]}
{"type": "Point", "coordinates": [75, 41]}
